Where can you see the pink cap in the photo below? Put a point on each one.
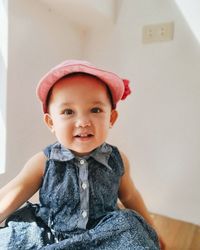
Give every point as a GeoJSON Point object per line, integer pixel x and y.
{"type": "Point", "coordinates": [119, 87]}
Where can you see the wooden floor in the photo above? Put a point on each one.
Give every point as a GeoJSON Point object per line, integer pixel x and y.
{"type": "Point", "coordinates": [178, 235]}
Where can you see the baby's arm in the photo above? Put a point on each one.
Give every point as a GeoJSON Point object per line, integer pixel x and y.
{"type": "Point", "coordinates": [23, 186]}
{"type": "Point", "coordinates": [129, 195]}
{"type": "Point", "coordinates": [132, 199]}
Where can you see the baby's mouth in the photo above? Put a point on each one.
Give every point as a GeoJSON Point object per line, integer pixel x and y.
{"type": "Point", "coordinates": [84, 135]}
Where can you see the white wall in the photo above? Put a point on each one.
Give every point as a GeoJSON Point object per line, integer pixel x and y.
{"type": "Point", "coordinates": [87, 13]}
{"type": "Point", "coordinates": [190, 10]}
{"type": "Point", "coordinates": [38, 39]}
{"type": "Point", "coordinates": [159, 124]}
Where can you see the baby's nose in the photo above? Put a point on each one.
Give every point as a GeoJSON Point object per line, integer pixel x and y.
{"type": "Point", "coordinates": [82, 122]}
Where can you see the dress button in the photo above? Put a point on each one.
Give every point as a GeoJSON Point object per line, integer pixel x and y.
{"type": "Point", "coordinates": [82, 162]}
{"type": "Point", "coordinates": [84, 185]}
{"type": "Point", "coordinates": [84, 214]}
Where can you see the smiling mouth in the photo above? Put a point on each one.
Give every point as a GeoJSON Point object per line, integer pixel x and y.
{"type": "Point", "coordinates": [82, 136]}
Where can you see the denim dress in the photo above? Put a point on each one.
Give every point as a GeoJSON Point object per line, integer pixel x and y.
{"type": "Point", "coordinates": [78, 207]}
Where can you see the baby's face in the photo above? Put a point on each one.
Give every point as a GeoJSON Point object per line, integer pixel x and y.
{"type": "Point", "coordinates": [80, 113]}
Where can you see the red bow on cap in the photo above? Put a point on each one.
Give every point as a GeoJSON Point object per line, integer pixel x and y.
{"type": "Point", "coordinates": [127, 90]}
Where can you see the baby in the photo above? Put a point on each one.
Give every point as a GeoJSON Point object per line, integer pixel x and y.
{"type": "Point", "coordinates": [80, 177]}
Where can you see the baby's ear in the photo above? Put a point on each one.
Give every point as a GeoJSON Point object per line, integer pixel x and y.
{"type": "Point", "coordinates": [113, 117]}
{"type": "Point", "coordinates": [49, 121]}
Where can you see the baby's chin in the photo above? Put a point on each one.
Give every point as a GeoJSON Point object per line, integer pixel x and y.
{"type": "Point", "coordinates": [83, 146]}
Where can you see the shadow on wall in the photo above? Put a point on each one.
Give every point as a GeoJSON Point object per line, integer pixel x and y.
{"type": "Point", "coordinates": [3, 78]}
{"type": "Point", "coordinates": [2, 113]}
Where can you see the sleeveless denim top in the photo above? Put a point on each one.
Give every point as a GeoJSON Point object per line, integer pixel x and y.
{"type": "Point", "coordinates": [77, 192]}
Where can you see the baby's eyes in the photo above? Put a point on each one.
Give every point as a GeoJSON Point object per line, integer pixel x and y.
{"type": "Point", "coordinates": [96, 110]}
{"type": "Point", "coordinates": [68, 112]}
{"type": "Point", "coordinates": [71, 112]}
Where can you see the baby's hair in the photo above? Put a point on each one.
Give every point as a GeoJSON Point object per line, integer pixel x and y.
{"type": "Point", "coordinates": [73, 74]}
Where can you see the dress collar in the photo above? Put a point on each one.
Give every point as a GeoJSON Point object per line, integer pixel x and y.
{"type": "Point", "coordinates": [100, 154]}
